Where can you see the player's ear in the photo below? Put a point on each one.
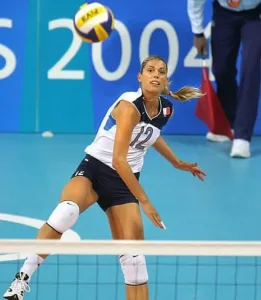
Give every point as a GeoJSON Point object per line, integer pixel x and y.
{"type": "Point", "coordinates": [139, 77]}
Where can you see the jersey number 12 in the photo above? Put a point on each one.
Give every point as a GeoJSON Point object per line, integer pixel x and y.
{"type": "Point", "coordinates": [139, 144]}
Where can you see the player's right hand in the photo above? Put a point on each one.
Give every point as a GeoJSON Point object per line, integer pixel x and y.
{"type": "Point", "coordinates": [152, 214]}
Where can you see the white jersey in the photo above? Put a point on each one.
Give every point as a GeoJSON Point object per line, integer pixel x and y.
{"type": "Point", "coordinates": [144, 134]}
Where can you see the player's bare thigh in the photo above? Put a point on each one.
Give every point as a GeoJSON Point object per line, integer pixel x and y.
{"type": "Point", "coordinates": [126, 221]}
{"type": "Point", "coordinates": [79, 190]}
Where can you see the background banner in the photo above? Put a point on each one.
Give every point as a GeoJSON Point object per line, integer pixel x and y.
{"type": "Point", "coordinates": [51, 80]}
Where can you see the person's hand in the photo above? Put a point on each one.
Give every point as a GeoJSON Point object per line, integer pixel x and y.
{"type": "Point", "coordinates": [191, 167]}
{"type": "Point", "coordinates": [201, 44]}
{"type": "Point", "coordinates": [152, 214]}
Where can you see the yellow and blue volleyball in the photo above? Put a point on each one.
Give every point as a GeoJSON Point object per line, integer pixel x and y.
{"type": "Point", "coordinates": [94, 22]}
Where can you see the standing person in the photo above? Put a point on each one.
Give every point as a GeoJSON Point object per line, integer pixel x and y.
{"type": "Point", "coordinates": [234, 22]}
{"type": "Point", "coordinates": [109, 175]}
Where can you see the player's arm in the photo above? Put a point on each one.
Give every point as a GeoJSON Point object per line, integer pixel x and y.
{"type": "Point", "coordinates": [162, 147]}
{"type": "Point", "coordinates": [126, 116]}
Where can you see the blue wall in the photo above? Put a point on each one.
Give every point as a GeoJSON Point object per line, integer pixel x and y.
{"type": "Point", "coordinates": [36, 94]}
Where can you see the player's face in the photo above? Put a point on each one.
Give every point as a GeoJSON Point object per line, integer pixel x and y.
{"type": "Point", "coordinates": [154, 76]}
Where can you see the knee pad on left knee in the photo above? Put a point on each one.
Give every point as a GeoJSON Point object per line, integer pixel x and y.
{"type": "Point", "coordinates": [134, 269]}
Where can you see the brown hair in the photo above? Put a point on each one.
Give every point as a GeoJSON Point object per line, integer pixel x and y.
{"type": "Point", "coordinates": [184, 94]}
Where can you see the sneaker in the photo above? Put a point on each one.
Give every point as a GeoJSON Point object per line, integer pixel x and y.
{"type": "Point", "coordinates": [240, 149]}
{"type": "Point", "coordinates": [17, 287]}
{"type": "Point", "coordinates": [219, 138]}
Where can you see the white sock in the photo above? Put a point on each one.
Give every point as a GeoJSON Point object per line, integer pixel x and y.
{"type": "Point", "coordinates": [32, 262]}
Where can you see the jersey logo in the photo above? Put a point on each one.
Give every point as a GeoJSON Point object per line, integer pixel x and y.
{"type": "Point", "coordinates": [166, 111]}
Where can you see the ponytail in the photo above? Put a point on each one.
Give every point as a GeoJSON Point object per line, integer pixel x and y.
{"type": "Point", "coordinates": [184, 94]}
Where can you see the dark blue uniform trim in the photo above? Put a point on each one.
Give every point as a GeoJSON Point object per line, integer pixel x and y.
{"type": "Point", "coordinates": [158, 121]}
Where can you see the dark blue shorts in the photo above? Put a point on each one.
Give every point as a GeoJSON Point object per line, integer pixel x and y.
{"type": "Point", "coordinates": [106, 182]}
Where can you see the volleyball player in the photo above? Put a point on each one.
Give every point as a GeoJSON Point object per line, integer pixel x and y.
{"type": "Point", "coordinates": [109, 175]}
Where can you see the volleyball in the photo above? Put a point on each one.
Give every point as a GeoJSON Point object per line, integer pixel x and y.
{"type": "Point", "coordinates": [94, 22]}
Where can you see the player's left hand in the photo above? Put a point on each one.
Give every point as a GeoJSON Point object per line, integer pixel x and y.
{"type": "Point", "coordinates": [193, 168]}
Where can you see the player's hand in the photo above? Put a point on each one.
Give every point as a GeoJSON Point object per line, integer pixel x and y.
{"type": "Point", "coordinates": [193, 168]}
{"type": "Point", "coordinates": [152, 214]}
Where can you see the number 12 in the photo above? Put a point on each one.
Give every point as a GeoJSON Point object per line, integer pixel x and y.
{"type": "Point", "coordinates": [139, 145]}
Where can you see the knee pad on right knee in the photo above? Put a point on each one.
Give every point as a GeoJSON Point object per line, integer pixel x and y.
{"type": "Point", "coordinates": [64, 216]}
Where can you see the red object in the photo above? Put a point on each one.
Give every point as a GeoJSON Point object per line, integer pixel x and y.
{"type": "Point", "coordinates": [166, 111]}
{"type": "Point", "coordinates": [209, 109]}
{"type": "Point", "coordinates": [233, 3]}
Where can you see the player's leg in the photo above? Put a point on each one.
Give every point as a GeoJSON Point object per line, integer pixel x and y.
{"type": "Point", "coordinates": [126, 223]}
{"type": "Point", "coordinates": [77, 195]}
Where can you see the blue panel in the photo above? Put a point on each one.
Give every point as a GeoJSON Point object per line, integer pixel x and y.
{"type": "Point", "coordinates": [110, 123]}
{"type": "Point", "coordinates": [65, 104]}
{"type": "Point", "coordinates": [32, 99]}
{"type": "Point", "coordinates": [12, 51]}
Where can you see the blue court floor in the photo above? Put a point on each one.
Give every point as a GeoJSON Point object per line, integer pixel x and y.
{"type": "Point", "coordinates": [227, 206]}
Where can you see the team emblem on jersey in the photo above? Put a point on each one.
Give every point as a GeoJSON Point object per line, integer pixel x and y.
{"type": "Point", "coordinates": [166, 111]}
{"type": "Point", "coordinates": [233, 3]}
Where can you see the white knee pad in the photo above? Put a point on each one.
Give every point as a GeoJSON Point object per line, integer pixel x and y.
{"type": "Point", "coordinates": [134, 269]}
{"type": "Point", "coordinates": [64, 216]}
